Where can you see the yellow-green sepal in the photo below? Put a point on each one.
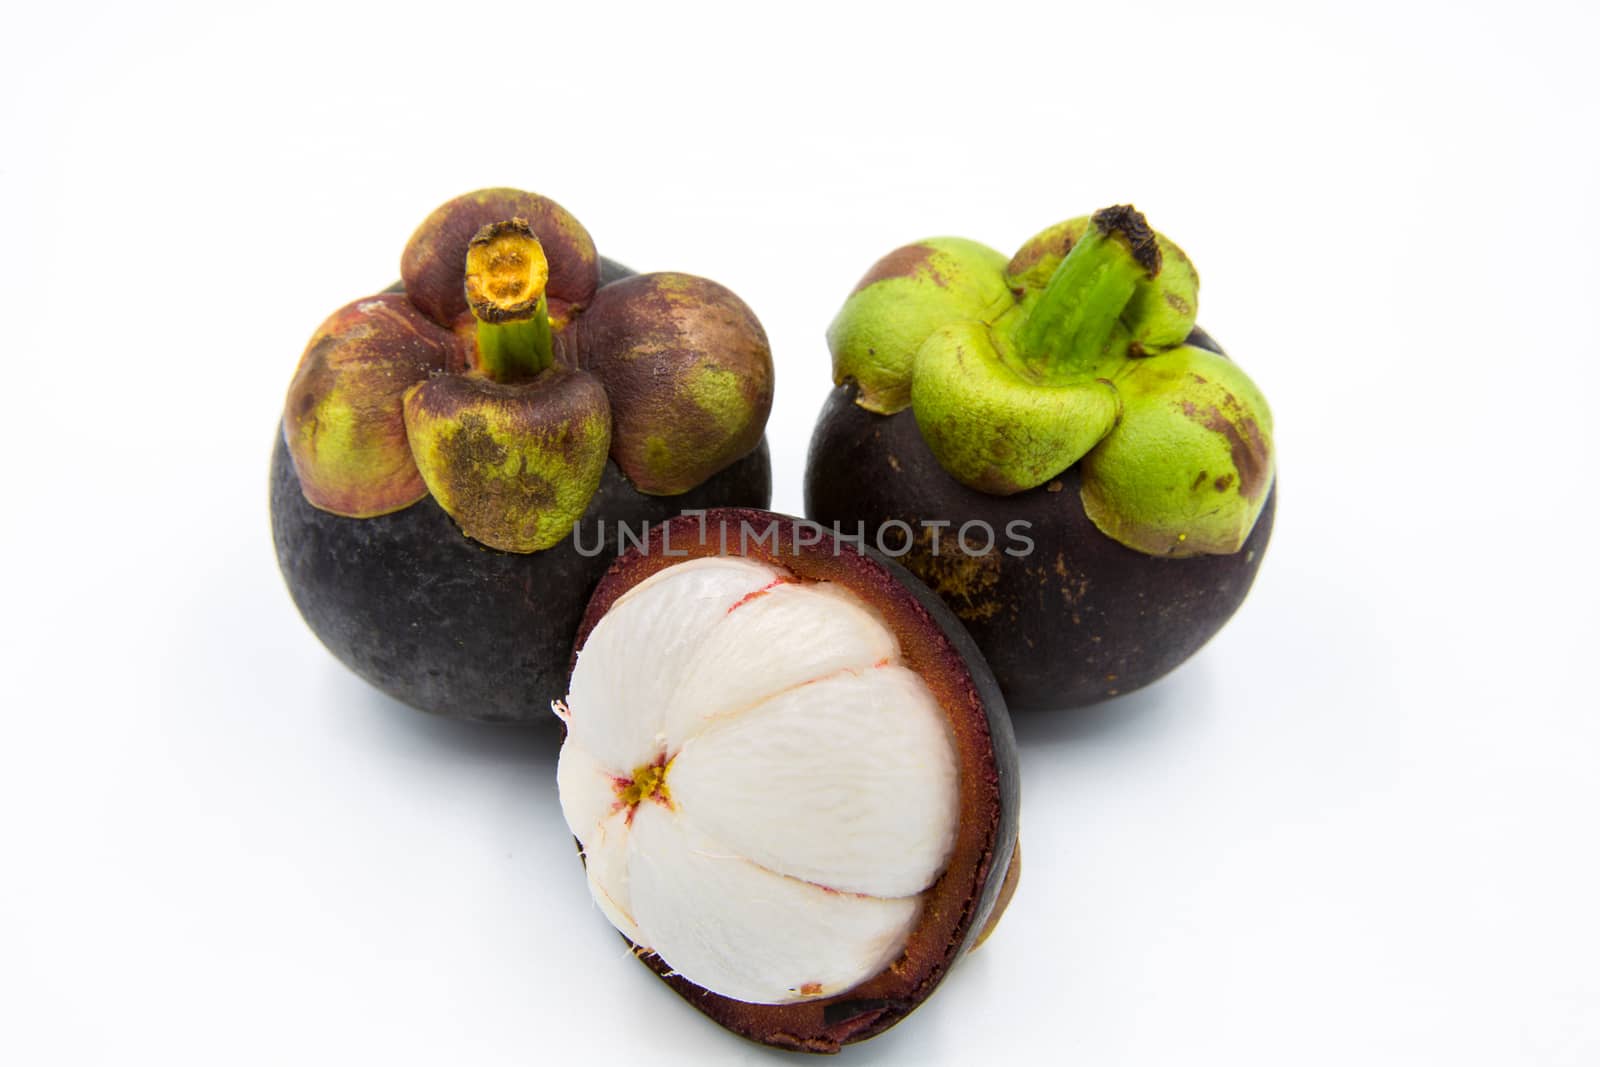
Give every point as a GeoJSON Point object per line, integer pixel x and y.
{"type": "Point", "coordinates": [515, 465]}
{"type": "Point", "coordinates": [907, 295]}
{"type": "Point", "coordinates": [1189, 465]}
{"type": "Point", "coordinates": [991, 425]}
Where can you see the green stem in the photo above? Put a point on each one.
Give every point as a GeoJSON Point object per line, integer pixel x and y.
{"type": "Point", "coordinates": [1067, 331]}
{"type": "Point", "coordinates": [506, 272]}
{"type": "Point", "coordinates": [513, 351]}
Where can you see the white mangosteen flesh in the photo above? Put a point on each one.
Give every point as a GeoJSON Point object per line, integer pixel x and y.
{"type": "Point", "coordinates": [761, 789]}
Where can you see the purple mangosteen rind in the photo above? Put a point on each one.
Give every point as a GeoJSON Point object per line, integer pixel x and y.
{"type": "Point", "coordinates": [419, 610]}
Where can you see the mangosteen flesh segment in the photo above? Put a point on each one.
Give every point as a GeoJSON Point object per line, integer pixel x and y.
{"type": "Point", "coordinates": [418, 609]}
{"type": "Point", "coordinates": [764, 821]}
{"type": "Point", "coordinates": [772, 796]}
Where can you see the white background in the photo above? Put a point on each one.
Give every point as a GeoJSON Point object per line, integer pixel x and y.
{"type": "Point", "coordinates": [1359, 828]}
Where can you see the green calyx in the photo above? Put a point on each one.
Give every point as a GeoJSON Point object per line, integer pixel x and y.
{"type": "Point", "coordinates": [449, 386]}
{"type": "Point", "coordinates": [1073, 351]}
{"type": "Point", "coordinates": [1069, 328]}
{"type": "Point", "coordinates": [389, 406]}
{"type": "Point", "coordinates": [513, 452]}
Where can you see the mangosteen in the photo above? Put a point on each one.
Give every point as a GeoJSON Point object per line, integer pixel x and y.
{"type": "Point", "coordinates": [461, 455]}
{"type": "Point", "coordinates": [791, 776]}
{"type": "Point", "coordinates": [1055, 447]}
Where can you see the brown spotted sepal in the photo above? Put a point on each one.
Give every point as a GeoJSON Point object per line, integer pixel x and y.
{"type": "Point", "coordinates": [689, 372]}
{"type": "Point", "coordinates": [342, 419]}
{"type": "Point", "coordinates": [513, 464]}
{"type": "Point", "coordinates": [1188, 468]}
{"type": "Point", "coordinates": [431, 266]}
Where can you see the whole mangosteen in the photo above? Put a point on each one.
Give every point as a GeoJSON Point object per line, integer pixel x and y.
{"type": "Point", "coordinates": [461, 455]}
{"type": "Point", "coordinates": [1054, 447]}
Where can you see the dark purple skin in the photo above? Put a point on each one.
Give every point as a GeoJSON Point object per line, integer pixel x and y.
{"type": "Point", "coordinates": [440, 622]}
{"type": "Point", "coordinates": [1078, 620]}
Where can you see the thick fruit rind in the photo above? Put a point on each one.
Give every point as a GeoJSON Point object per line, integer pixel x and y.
{"type": "Point", "coordinates": [960, 905]}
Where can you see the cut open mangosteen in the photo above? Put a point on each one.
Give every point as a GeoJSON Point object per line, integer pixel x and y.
{"type": "Point", "coordinates": [791, 775]}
